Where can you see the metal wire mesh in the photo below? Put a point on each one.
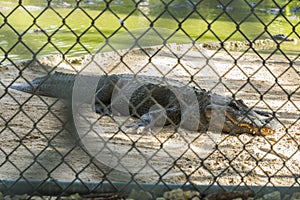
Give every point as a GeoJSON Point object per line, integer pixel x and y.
{"type": "Point", "coordinates": [42, 152]}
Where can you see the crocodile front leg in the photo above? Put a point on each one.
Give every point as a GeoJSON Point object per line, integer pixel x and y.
{"type": "Point", "coordinates": [156, 118]}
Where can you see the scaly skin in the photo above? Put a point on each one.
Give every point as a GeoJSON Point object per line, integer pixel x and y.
{"type": "Point", "coordinates": [143, 92]}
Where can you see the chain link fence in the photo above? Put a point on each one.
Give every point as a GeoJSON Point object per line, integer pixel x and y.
{"type": "Point", "coordinates": [241, 49]}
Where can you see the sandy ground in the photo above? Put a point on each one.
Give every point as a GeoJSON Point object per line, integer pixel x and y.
{"type": "Point", "coordinates": [35, 143]}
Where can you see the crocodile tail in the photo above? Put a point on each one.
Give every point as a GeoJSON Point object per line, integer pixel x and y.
{"type": "Point", "coordinates": [58, 85]}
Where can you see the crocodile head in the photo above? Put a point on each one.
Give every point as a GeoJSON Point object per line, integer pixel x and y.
{"type": "Point", "coordinates": [236, 117]}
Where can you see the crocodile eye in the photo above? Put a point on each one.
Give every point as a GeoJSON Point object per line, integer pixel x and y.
{"type": "Point", "coordinates": [234, 105]}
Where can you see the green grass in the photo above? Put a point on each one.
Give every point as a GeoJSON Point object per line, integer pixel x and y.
{"type": "Point", "coordinates": [20, 41]}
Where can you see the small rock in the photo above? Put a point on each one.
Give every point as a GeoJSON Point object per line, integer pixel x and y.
{"type": "Point", "coordinates": [75, 61]}
{"type": "Point", "coordinates": [287, 197]}
{"type": "Point", "coordinates": [272, 196]}
{"type": "Point", "coordinates": [20, 197]}
{"type": "Point", "coordinates": [2, 68]}
{"type": "Point", "coordinates": [141, 194]}
{"type": "Point", "coordinates": [160, 198]}
{"type": "Point", "coordinates": [191, 194]}
{"type": "Point", "coordinates": [296, 196]}
{"type": "Point", "coordinates": [176, 194]}
{"type": "Point", "coordinates": [75, 196]}
{"type": "Point", "coordinates": [7, 197]}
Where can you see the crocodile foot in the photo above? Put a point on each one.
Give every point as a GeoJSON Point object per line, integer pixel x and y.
{"type": "Point", "coordinates": [136, 129]}
{"type": "Point", "coordinates": [102, 110]}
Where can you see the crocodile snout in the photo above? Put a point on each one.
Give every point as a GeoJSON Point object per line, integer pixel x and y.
{"type": "Point", "coordinates": [239, 121]}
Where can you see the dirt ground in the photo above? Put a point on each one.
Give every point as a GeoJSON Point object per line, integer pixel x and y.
{"type": "Point", "coordinates": [35, 143]}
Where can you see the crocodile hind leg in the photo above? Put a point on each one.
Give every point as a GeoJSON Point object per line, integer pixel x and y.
{"type": "Point", "coordinates": [102, 109]}
{"type": "Point", "coordinates": [103, 95]}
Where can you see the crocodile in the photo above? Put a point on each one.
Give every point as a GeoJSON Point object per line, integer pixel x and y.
{"type": "Point", "coordinates": [283, 37]}
{"type": "Point", "coordinates": [148, 97]}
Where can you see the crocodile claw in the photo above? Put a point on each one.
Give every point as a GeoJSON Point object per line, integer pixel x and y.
{"type": "Point", "coordinates": [135, 129]}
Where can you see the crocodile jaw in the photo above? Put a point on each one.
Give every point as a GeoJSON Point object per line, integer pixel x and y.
{"type": "Point", "coordinates": [239, 121]}
{"type": "Point", "coordinates": [265, 131]}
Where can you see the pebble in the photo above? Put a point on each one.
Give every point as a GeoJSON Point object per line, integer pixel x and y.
{"type": "Point", "coordinates": [271, 196]}
{"type": "Point", "coordinates": [176, 194]}
{"type": "Point", "coordinates": [240, 45]}
{"type": "Point", "coordinates": [141, 194]}
{"type": "Point", "coordinates": [194, 195]}
{"type": "Point", "coordinates": [15, 197]}
{"type": "Point", "coordinates": [296, 196]}
{"type": "Point", "coordinates": [179, 194]}
{"type": "Point", "coordinates": [287, 197]}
